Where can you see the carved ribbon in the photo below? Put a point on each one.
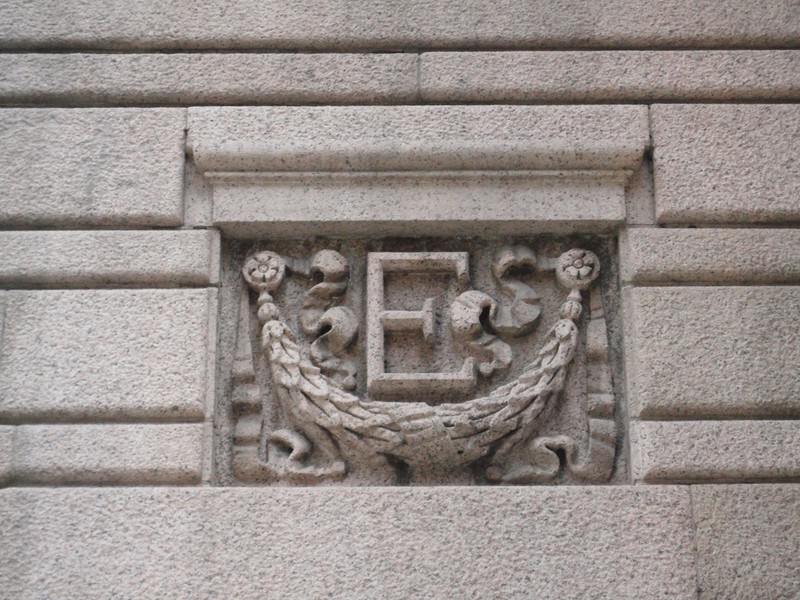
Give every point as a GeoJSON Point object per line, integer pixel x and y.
{"type": "Point", "coordinates": [478, 319]}
{"type": "Point", "coordinates": [550, 455]}
{"type": "Point", "coordinates": [333, 327]}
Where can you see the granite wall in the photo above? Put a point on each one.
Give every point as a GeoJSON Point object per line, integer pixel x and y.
{"type": "Point", "coordinates": [110, 276]}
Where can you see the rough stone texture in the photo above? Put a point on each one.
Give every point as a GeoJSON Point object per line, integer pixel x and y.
{"type": "Point", "coordinates": [415, 204]}
{"type": "Point", "coordinates": [401, 170]}
{"type": "Point", "coordinates": [748, 541]}
{"type": "Point", "coordinates": [738, 256]}
{"type": "Point", "coordinates": [113, 454]}
{"type": "Point", "coordinates": [726, 163]}
{"type": "Point", "coordinates": [725, 451]}
{"type": "Point", "coordinates": [712, 351]}
{"type": "Point", "coordinates": [639, 209]}
{"type": "Point", "coordinates": [98, 79]}
{"type": "Point", "coordinates": [322, 24]}
{"type": "Point", "coordinates": [378, 542]}
{"type": "Point", "coordinates": [108, 167]}
{"type": "Point", "coordinates": [6, 453]}
{"type": "Point", "coordinates": [107, 354]}
{"type": "Point", "coordinates": [494, 352]}
{"type": "Point", "coordinates": [609, 76]}
{"type": "Point", "coordinates": [3, 297]}
{"type": "Point", "coordinates": [65, 258]}
{"type": "Point", "coordinates": [417, 138]}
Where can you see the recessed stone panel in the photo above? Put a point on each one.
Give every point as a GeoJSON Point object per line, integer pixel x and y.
{"type": "Point", "coordinates": [426, 360]}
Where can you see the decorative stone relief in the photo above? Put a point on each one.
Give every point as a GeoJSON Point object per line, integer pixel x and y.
{"type": "Point", "coordinates": [486, 364]}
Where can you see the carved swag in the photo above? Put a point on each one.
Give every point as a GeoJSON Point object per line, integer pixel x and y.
{"type": "Point", "coordinates": [327, 430]}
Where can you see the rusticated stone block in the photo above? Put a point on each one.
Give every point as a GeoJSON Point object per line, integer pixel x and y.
{"type": "Point", "coordinates": [109, 453]}
{"type": "Point", "coordinates": [729, 451]}
{"type": "Point", "coordinates": [106, 79]}
{"type": "Point", "coordinates": [91, 167]}
{"type": "Point", "coordinates": [65, 258]}
{"type": "Point", "coordinates": [712, 351]}
{"type": "Point", "coordinates": [386, 24]}
{"type": "Point", "coordinates": [107, 354]}
{"type": "Point", "coordinates": [748, 541]}
{"type": "Point", "coordinates": [655, 255]}
{"type": "Point", "coordinates": [6, 453]}
{"type": "Point", "coordinates": [726, 163]}
{"type": "Point", "coordinates": [611, 76]}
{"type": "Point", "coordinates": [578, 542]}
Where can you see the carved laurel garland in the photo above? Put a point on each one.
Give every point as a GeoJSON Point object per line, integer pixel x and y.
{"type": "Point", "coordinates": [332, 428]}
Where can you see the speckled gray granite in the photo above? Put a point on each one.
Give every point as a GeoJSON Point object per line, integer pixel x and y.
{"type": "Point", "coordinates": [120, 454]}
{"type": "Point", "coordinates": [107, 354]}
{"type": "Point", "coordinates": [417, 170]}
{"type": "Point", "coordinates": [732, 256]}
{"type": "Point", "coordinates": [72, 258]}
{"type": "Point", "coordinates": [416, 138]}
{"type": "Point", "coordinates": [418, 204]}
{"type": "Point", "coordinates": [369, 542]}
{"type": "Point", "coordinates": [91, 167]}
{"type": "Point", "coordinates": [340, 24]}
{"type": "Point", "coordinates": [725, 451]}
{"type": "Point", "coordinates": [748, 541]}
{"type": "Point", "coordinates": [599, 76]}
{"type": "Point", "coordinates": [82, 79]}
{"type": "Point", "coordinates": [6, 452]}
{"type": "Point", "coordinates": [183, 79]}
{"type": "Point", "coordinates": [726, 163]}
{"type": "Point", "coordinates": [704, 352]}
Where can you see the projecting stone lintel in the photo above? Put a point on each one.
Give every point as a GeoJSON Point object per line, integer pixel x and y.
{"type": "Point", "coordinates": [433, 203]}
{"type": "Point", "coordinates": [416, 138]}
{"type": "Point", "coordinates": [416, 170]}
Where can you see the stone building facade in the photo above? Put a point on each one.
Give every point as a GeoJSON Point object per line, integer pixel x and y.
{"type": "Point", "coordinates": [400, 299]}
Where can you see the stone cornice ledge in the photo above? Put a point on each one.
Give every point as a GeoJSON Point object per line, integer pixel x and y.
{"type": "Point", "coordinates": [417, 170]}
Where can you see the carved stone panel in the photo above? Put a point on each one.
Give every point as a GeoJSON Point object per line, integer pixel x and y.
{"type": "Point", "coordinates": [418, 361]}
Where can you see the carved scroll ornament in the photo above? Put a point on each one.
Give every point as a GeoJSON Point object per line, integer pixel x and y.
{"type": "Point", "coordinates": [329, 429]}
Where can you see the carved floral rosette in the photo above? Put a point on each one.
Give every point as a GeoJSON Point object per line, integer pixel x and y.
{"type": "Point", "coordinates": [325, 430]}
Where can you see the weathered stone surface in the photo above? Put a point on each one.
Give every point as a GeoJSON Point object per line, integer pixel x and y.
{"type": "Point", "coordinates": [95, 167]}
{"type": "Point", "coordinates": [748, 541]}
{"type": "Point", "coordinates": [639, 76]}
{"type": "Point", "coordinates": [415, 358]}
{"type": "Point", "coordinates": [417, 204]}
{"type": "Point", "coordinates": [100, 79]}
{"type": "Point", "coordinates": [322, 24]}
{"type": "Point", "coordinates": [738, 256]}
{"type": "Point", "coordinates": [712, 351]}
{"type": "Point", "coordinates": [639, 196]}
{"type": "Point", "coordinates": [3, 296]}
{"type": "Point", "coordinates": [65, 258]}
{"type": "Point", "coordinates": [417, 138]}
{"type": "Point", "coordinates": [380, 542]}
{"type": "Point", "coordinates": [109, 453]}
{"type": "Point", "coordinates": [417, 170]}
{"type": "Point", "coordinates": [730, 451]}
{"type": "Point", "coordinates": [6, 453]}
{"type": "Point", "coordinates": [726, 163]}
{"type": "Point", "coordinates": [107, 354]}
